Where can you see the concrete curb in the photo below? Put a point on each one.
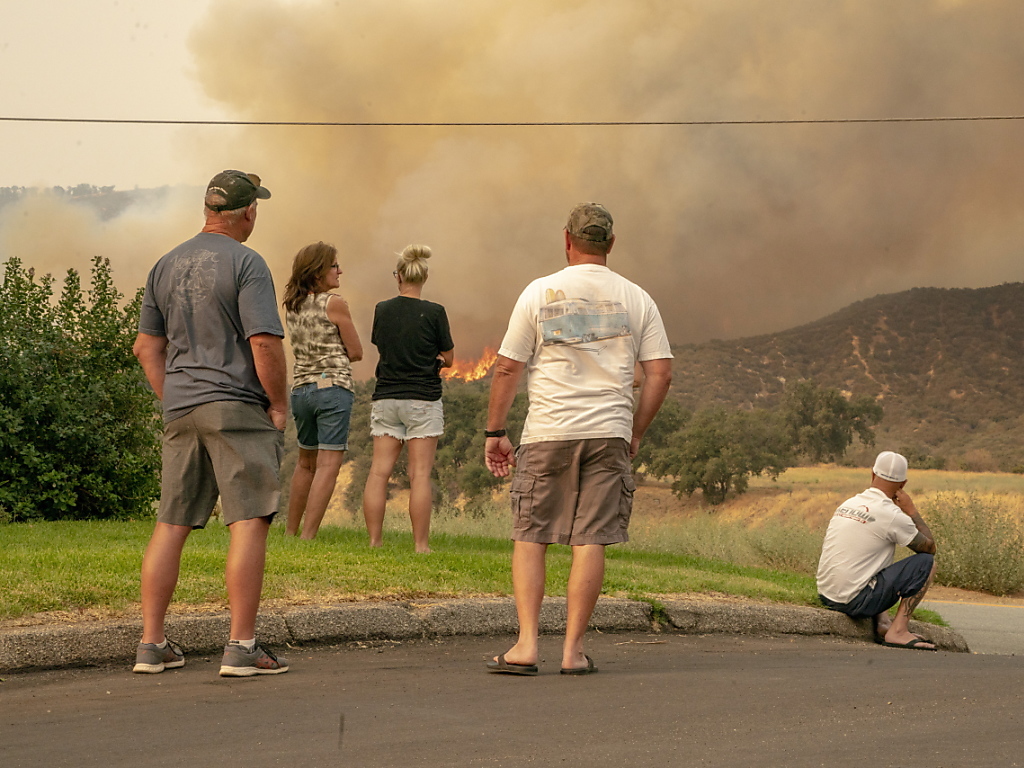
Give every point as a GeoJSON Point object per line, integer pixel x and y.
{"type": "Point", "coordinates": [88, 643]}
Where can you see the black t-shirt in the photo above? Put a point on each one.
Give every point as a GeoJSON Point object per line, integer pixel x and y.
{"type": "Point", "coordinates": [409, 333]}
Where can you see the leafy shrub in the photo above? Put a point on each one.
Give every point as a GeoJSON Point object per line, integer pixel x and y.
{"type": "Point", "coordinates": [79, 426]}
{"type": "Point", "coordinates": [980, 543]}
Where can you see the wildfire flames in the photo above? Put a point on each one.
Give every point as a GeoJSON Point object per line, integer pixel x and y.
{"type": "Point", "coordinates": [472, 370]}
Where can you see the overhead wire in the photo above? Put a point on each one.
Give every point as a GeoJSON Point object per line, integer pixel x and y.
{"type": "Point", "coordinates": [514, 124]}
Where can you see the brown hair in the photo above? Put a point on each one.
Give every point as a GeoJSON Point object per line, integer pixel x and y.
{"type": "Point", "coordinates": [308, 269]}
{"type": "Point", "coordinates": [412, 264]}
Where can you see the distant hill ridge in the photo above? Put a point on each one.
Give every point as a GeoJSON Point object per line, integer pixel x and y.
{"type": "Point", "coordinates": [947, 365]}
{"type": "Point", "coordinates": [108, 202]}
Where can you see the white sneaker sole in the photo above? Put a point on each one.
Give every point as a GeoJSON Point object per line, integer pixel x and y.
{"type": "Point", "coordinates": [153, 669]}
{"type": "Point", "coordinates": [249, 671]}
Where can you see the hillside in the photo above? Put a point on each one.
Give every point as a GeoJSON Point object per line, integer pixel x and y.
{"type": "Point", "coordinates": [947, 365]}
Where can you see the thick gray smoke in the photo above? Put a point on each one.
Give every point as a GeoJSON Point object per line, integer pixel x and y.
{"type": "Point", "coordinates": [734, 230]}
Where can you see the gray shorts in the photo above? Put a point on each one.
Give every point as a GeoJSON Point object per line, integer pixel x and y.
{"type": "Point", "coordinates": [572, 492]}
{"type": "Point", "coordinates": [227, 448]}
{"type": "Point", "coordinates": [406, 419]}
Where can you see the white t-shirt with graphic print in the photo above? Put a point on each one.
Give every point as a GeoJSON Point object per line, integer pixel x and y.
{"type": "Point", "coordinates": [861, 540]}
{"type": "Point", "coordinates": [581, 332]}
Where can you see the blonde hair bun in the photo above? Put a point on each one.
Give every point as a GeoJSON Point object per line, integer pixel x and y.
{"type": "Point", "coordinates": [412, 264]}
{"type": "Point", "coordinates": [415, 253]}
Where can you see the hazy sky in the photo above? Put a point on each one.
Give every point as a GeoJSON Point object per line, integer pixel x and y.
{"type": "Point", "coordinates": [99, 59]}
{"type": "Point", "coordinates": [734, 230]}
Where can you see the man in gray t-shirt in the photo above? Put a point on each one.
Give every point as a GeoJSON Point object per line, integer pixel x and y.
{"type": "Point", "coordinates": [209, 297]}
{"type": "Point", "coordinates": [210, 343]}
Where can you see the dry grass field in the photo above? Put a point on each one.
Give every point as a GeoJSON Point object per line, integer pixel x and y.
{"type": "Point", "coordinates": [977, 518]}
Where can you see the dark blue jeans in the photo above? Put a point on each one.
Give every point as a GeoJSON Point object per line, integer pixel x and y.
{"type": "Point", "coordinates": [903, 579]}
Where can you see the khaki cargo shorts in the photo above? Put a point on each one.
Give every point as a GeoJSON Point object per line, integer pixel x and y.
{"type": "Point", "coordinates": [572, 492]}
{"type": "Point", "coordinates": [229, 449]}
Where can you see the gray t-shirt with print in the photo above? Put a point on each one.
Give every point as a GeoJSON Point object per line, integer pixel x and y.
{"type": "Point", "coordinates": [208, 296]}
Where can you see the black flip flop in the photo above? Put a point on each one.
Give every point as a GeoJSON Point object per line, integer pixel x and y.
{"type": "Point", "coordinates": [587, 670]}
{"type": "Point", "coordinates": [507, 668]}
{"type": "Point", "coordinates": [912, 645]}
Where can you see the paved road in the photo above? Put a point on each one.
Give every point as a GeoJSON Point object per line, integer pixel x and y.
{"type": "Point", "coordinates": [659, 700]}
{"type": "Point", "coordinates": [987, 627]}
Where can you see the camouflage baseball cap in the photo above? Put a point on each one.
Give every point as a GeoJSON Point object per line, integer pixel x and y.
{"type": "Point", "coordinates": [229, 190]}
{"type": "Point", "coordinates": [590, 221]}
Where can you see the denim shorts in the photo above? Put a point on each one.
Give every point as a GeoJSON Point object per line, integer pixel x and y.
{"type": "Point", "coordinates": [407, 419]}
{"type": "Point", "coordinates": [322, 417]}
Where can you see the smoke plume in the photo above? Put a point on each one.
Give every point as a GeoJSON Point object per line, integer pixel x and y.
{"type": "Point", "coordinates": [734, 230]}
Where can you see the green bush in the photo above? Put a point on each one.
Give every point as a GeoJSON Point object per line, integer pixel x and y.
{"type": "Point", "coordinates": [79, 426]}
{"type": "Point", "coordinates": [980, 545]}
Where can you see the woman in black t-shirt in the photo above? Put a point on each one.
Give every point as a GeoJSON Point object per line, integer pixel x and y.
{"type": "Point", "coordinates": [415, 343]}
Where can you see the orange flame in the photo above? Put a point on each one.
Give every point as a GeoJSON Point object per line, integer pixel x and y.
{"type": "Point", "coordinates": [472, 370]}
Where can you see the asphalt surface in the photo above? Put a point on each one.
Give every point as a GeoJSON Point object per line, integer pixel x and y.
{"type": "Point", "coordinates": [659, 699]}
{"type": "Point", "coordinates": [987, 627]}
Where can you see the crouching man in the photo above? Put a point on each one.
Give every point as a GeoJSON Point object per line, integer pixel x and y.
{"type": "Point", "coordinates": [856, 573]}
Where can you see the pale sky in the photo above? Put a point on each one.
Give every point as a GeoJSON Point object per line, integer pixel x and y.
{"type": "Point", "coordinates": [125, 59]}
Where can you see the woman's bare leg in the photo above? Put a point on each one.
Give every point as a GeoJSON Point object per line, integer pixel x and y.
{"type": "Point", "coordinates": [302, 479]}
{"type": "Point", "coordinates": [421, 498]}
{"type": "Point", "coordinates": [328, 463]}
{"type": "Point", "coordinates": [375, 495]}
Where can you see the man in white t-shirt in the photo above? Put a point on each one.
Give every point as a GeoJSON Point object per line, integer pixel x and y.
{"type": "Point", "coordinates": [856, 573]}
{"type": "Point", "coordinates": [579, 334]}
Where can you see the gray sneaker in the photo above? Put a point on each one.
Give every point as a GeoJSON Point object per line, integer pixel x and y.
{"type": "Point", "coordinates": [238, 662]}
{"type": "Point", "coordinates": [149, 659]}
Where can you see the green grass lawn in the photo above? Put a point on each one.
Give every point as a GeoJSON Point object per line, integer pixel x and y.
{"type": "Point", "coordinates": [674, 549]}
{"type": "Point", "coordinates": [75, 565]}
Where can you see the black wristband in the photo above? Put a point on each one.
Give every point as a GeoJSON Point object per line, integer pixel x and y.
{"type": "Point", "coordinates": [494, 433]}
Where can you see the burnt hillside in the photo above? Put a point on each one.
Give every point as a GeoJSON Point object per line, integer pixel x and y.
{"type": "Point", "coordinates": [947, 365]}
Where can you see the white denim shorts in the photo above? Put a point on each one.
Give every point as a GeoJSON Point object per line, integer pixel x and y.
{"type": "Point", "coordinates": [406, 419]}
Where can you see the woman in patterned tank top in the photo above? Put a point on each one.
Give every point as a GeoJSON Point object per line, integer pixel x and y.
{"type": "Point", "coordinates": [325, 344]}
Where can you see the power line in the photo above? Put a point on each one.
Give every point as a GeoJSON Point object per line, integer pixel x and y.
{"type": "Point", "coordinates": [514, 124]}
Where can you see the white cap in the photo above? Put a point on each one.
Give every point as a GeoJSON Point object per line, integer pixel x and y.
{"type": "Point", "coordinates": [890, 466]}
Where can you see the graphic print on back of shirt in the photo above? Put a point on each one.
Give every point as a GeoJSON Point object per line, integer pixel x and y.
{"type": "Point", "coordinates": [861, 514]}
{"type": "Point", "coordinates": [580, 321]}
{"type": "Point", "coordinates": [194, 276]}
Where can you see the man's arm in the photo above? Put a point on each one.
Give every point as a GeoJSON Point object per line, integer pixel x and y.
{"type": "Point", "coordinates": [268, 355]}
{"type": "Point", "coordinates": [151, 352]}
{"type": "Point", "coordinates": [499, 453]}
{"type": "Point", "coordinates": [657, 380]}
{"type": "Point", "coordinates": [923, 541]}
{"type": "Point", "coordinates": [447, 358]}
